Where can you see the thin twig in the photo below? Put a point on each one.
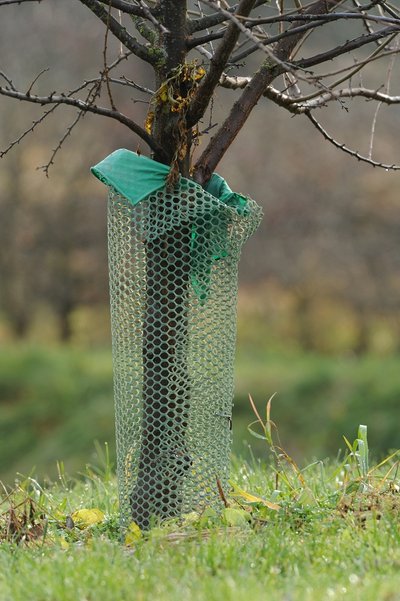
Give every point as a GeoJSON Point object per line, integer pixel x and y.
{"type": "Point", "coordinates": [366, 22]}
{"type": "Point", "coordinates": [126, 7]}
{"type": "Point", "coordinates": [208, 21]}
{"type": "Point", "coordinates": [205, 39]}
{"type": "Point", "coordinates": [299, 108]}
{"type": "Point", "coordinates": [105, 70]}
{"type": "Point", "coordinates": [314, 22]}
{"type": "Point", "coordinates": [35, 80]}
{"type": "Point", "coordinates": [347, 150]}
{"type": "Point", "coordinates": [95, 90]}
{"type": "Point", "coordinates": [377, 54]}
{"type": "Point", "coordinates": [93, 93]}
{"type": "Point", "coordinates": [5, 2]}
{"type": "Point", "coordinates": [28, 131]}
{"type": "Point", "coordinates": [8, 80]}
{"type": "Point", "coordinates": [200, 9]}
{"type": "Point", "coordinates": [128, 82]}
{"type": "Point", "coordinates": [295, 17]}
{"type": "Point", "coordinates": [87, 107]}
{"type": "Point", "coordinates": [378, 106]}
{"type": "Point", "coordinates": [234, 19]}
{"type": "Point", "coordinates": [45, 168]}
{"type": "Point", "coordinates": [218, 63]}
{"type": "Point", "coordinates": [148, 14]}
{"type": "Point", "coordinates": [119, 31]}
{"type": "Point", "coordinates": [240, 111]}
{"type": "Point", "coordinates": [88, 82]}
{"type": "Point", "coordinates": [330, 95]}
{"type": "Point", "coordinates": [221, 493]}
{"type": "Point", "coordinates": [204, 52]}
{"type": "Point", "coordinates": [346, 47]}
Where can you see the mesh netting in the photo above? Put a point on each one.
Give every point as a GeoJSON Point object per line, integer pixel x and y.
{"type": "Point", "coordinates": [173, 278]}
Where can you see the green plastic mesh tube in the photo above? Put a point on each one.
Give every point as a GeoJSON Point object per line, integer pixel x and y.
{"type": "Point", "coordinates": [173, 258]}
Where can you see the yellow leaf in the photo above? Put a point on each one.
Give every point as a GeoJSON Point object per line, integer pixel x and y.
{"type": "Point", "coordinates": [133, 534]}
{"type": "Point", "coordinates": [64, 544]}
{"type": "Point", "coordinates": [249, 498]}
{"type": "Point", "coordinates": [163, 93]}
{"type": "Point", "coordinates": [87, 517]}
{"type": "Point", "coordinates": [199, 74]}
{"type": "Point", "coordinates": [148, 124]}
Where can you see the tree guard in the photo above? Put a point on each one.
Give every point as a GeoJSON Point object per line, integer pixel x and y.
{"type": "Point", "coordinates": [173, 259]}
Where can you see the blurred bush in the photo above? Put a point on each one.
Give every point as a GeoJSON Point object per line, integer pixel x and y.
{"type": "Point", "coordinates": [56, 401]}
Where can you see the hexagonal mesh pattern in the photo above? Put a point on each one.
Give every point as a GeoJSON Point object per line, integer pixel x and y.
{"type": "Point", "coordinates": [173, 284]}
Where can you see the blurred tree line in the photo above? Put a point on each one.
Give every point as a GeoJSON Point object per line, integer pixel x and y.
{"type": "Point", "coordinates": [323, 271]}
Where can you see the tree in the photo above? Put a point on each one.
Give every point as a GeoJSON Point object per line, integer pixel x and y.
{"type": "Point", "coordinates": [190, 49]}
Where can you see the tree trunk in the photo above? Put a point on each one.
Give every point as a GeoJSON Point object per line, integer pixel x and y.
{"type": "Point", "coordinates": [163, 461]}
{"type": "Point", "coordinates": [166, 387]}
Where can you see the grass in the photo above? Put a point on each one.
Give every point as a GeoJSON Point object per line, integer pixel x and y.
{"type": "Point", "coordinates": [327, 531]}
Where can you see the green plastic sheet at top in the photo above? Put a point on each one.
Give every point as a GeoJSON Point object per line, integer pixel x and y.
{"type": "Point", "coordinates": [131, 175]}
{"type": "Point", "coordinates": [135, 177]}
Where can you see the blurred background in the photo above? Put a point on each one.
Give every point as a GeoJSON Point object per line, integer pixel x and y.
{"type": "Point", "coordinates": [319, 303]}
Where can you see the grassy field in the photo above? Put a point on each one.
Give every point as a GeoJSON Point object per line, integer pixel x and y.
{"type": "Point", "coordinates": [329, 531]}
{"type": "Point", "coordinates": [56, 401]}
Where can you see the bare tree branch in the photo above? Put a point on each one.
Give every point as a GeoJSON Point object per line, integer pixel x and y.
{"type": "Point", "coordinates": [235, 19]}
{"type": "Point", "coordinates": [216, 18]}
{"type": "Point", "coordinates": [208, 21]}
{"type": "Point", "coordinates": [298, 107]}
{"type": "Point", "coordinates": [367, 24]}
{"type": "Point", "coordinates": [88, 108]}
{"type": "Point", "coordinates": [291, 44]}
{"type": "Point", "coordinates": [28, 131]}
{"type": "Point", "coordinates": [125, 7]}
{"type": "Point", "coordinates": [330, 95]}
{"type": "Point", "coordinates": [8, 80]}
{"type": "Point", "coordinates": [351, 70]}
{"type": "Point", "coordinates": [252, 93]}
{"type": "Point", "coordinates": [205, 39]}
{"type": "Point", "coordinates": [346, 47]}
{"type": "Point", "coordinates": [313, 18]}
{"type": "Point", "coordinates": [45, 168]}
{"type": "Point", "coordinates": [389, 9]}
{"type": "Point", "coordinates": [97, 81]}
{"type": "Point", "coordinates": [379, 105]}
{"type": "Point", "coordinates": [353, 93]}
{"type": "Point", "coordinates": [227, 23]}
{"type": "Point", "coordinates": [344, 148]}
{"type": "Point", "coordinates": [35, 80]}
{"type": "Point", "coordinates": [149, 15]}
{"type": "Point", "coordinates": [105, 65]}
{"type": "Point", "coordinates": [124, 81]}
{"type": "Point", "coordinates": [217, 66]}
{"type": "Point", "coordinates": [120, 32]}
{"type": "Point", "coordinates": [234, 82]}
{"type": "Point", "coordinates": [6, 2]}
{"type": "Point", "coordinates": [315, 21]}
{"type": "Point", "coordinates": [286, 102]}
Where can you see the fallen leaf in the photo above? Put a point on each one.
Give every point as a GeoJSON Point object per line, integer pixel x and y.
{"type": "Point", "coordinates": [87, 517]}
{"type": "Point", "coordinates": [253, 499]}
{"type": "Point", "coordinates": [133, 534]}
